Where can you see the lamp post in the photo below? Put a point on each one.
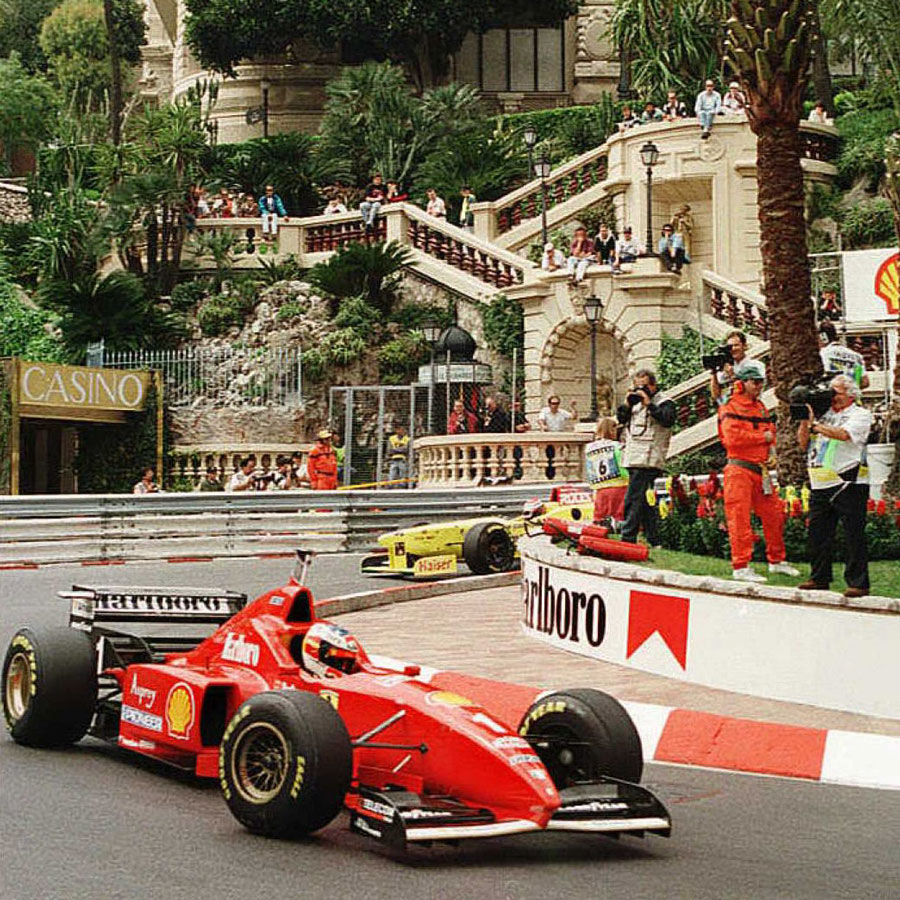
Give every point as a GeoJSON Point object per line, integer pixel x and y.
{"type": "Point", "coordinates": [432, 332]}
{"type": "Point", "coordinates": [649, 157]}
{"type": "Point", "coordinates": [264, 85]}
{"type": "Point", "coordinates": [530, 137]}
{"type": "Point", "coordinates": [593, 309]}
{"type": "Point", "coordinates": [543, 170]}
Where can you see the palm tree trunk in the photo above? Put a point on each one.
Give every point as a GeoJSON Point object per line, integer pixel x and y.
{"type": "Point", "coordinates": [821, 73]}
{"type": "Point", "coordinates": [115, 81]}
{"type": "Point", "coordinates": [786, 281]}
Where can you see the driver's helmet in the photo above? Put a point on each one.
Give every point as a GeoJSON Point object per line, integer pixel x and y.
{"type": "Point", "coordinates": [327, 648]}
{"type": "Point", "coordinates": [533, 508]}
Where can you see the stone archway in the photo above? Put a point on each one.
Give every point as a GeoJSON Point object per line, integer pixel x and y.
{"type": "Point", "coordinates": [566, 366]}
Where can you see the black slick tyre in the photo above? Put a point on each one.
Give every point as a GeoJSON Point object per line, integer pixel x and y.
{"type": "Point", "coordinates": [285, 763]}
{"type": "Point", "coordinates": [49, 686]}
{"type": "Point", "coordinates": [582, 734]}
{"type": "Point", "coordinates": [488, 548]}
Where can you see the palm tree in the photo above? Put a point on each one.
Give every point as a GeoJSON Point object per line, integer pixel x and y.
{"type": "Point", "coordinates": [769, 47]}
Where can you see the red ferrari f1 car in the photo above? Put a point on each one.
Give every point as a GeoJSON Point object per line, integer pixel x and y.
{"type": "Point", "coordinates": [296, 722]}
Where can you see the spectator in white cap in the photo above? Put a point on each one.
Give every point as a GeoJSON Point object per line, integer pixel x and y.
{"type": "Point", "coordinates": [552, 259]}
{"type": "Point", "coordinates": [734, 101]}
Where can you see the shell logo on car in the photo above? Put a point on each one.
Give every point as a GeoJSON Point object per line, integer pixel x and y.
{"type": "Point", "coordinates": [447, 698]}
{"type": "Point", "coordinates": [887, 283]}
{"type": "Point", "coordinates": [180, 711]}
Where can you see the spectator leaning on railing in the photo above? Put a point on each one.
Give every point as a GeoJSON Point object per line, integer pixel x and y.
{"type": "Point", "coordinates": [242, 479]}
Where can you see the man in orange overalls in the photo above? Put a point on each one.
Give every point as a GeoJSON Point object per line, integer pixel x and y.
{"type": "Point", "coordinates": [322, 464]}
{"type": "Point", "coordinates": [748, 435]}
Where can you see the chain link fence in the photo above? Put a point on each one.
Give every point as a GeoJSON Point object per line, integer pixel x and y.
{"type": "Point", "coordinates": [375, 427]}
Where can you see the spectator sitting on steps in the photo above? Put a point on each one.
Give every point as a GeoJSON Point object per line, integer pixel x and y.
{"type": "Point", "coordinates": [707, 106]}
{"type": "Point", "coordinates": [270, 208]}
{"type": "Point", "coordinates": [375, 196]}
{"type": "Point", "coordinates": [627, 248]}
{"type": "Point", "coordinates": [581, 254]}
{"type": "Point", "coordinates": [552, 259]}
{"type": "Point", "coordinates": [671, 249]}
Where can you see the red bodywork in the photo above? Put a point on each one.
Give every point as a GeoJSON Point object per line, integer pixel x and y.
{"type": "Point", "coordinates": [177, 711]}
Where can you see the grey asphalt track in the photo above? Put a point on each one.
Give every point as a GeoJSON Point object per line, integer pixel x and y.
{"type": "Point", "coordinates": [94, 822]}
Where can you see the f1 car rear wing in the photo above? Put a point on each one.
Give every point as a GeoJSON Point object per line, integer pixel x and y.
{"type": "Point", "coordinates": [91, 604]}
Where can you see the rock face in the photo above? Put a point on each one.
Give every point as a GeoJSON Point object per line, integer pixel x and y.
{"type": "Point", "coordinates": [14, 203]}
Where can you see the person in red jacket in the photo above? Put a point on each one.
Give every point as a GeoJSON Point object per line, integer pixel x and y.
{"type": "Point", "coordinates": [748, 435]}
{"type": "Point", "coordinates": [322, 464]}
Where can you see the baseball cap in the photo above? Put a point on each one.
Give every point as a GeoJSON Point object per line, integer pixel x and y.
{"type": "Point", "coordinates": [627, 229]}
{"type": "Point", "coordinates": [750, 370]}
{"type": "Point", "coordinates": [548, 246]}
{"type": "Point", "coordinates": [324, 434]}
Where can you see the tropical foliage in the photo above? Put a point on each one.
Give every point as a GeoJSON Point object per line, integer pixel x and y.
{"type": "Point", "coordinates": [372, 271]}
{"type": "Point", "coordinates": [28, 107]}
{"type": "Point", "coordinates": [419, 34]}
{"type": "Point", "coordinates": [671, 46]}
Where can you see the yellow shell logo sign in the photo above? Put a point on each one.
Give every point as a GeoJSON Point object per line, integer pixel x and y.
{"type": "Point", "coordinates": [447, 698]}
{"type": "Point", "coordinates": [180, 711]}
{"type": "Point", "coordinates": [887, 283]}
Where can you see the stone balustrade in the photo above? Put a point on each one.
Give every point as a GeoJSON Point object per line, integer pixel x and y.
{"type": "Point", "coordinates": [570, 179]}
{"type": "Point", "coordinates": [467, 460]}
{"type": "Point", "coordinates": [311, 239]}
{"type": "Point", "coordinates": [735, 305]}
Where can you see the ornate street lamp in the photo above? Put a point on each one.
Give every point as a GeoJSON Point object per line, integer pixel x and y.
{"type": "Point", "coordinates": [530, 136]}
{"type": "Point", "coordinates": [543, 172]}
{"type": "Point", "coordinates": [264, 85]}
{"type": "Point", "coordinates": [649, 157]}
{"type": "Point", "coordinates": [593, 310]}
{"type": "Point", "coordinates": [432, 332]}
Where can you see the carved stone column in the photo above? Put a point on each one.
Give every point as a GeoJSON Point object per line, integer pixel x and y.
{"type": "Point", "coordinates": [596, 56]}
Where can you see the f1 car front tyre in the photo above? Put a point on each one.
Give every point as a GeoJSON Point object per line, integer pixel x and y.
{"type": "Point", "coordinates": [49, 686]}
{"type": "Point", "coordinates": [285, 763]}
{"type": "Point", "coordinates": [582, 734]}
{"type": "Point", "coordinates": [488, 548]}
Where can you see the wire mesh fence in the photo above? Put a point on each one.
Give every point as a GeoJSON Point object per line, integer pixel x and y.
{"type": "Point", "coordinates": [218, 376]}
{"type": "Point", "coordinates": [375, 427]}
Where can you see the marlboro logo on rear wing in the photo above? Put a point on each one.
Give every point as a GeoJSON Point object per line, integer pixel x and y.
{"type": "Point", "coordinates": [89, 604]}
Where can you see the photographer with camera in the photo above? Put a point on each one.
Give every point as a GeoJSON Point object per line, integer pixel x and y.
{"type": "Point", "coordinates": [647, 418]}
{"type": "Point", "coordinates": [748, 435]}
{"type": "Point", "coordinates": [722, 364]}
{"type": "Point", "coordinates": [839, 481]}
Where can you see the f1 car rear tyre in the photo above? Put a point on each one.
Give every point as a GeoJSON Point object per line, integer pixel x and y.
{"type": "Point", "coordinates": [49, 686]}
{"type": "Point", "coordinates": [285, 763]}
{"type": "Point", "coordinates": [581, 734]}
{"type": "Point", "coordinates": [488, 548]}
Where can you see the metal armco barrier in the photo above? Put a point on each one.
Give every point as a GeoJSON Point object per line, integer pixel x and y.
{"type": "Point", "coordinates": [101, 527]}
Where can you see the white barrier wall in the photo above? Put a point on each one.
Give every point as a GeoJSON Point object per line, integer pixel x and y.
{"type": "Point", "coordinates": [770, 642]}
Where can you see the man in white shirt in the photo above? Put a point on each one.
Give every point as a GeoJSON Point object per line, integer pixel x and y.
{"type": "Point", "coordinates": [554, 418]}
{"type": "Point", "coordinates": [733, 102]}
{"type": "Point", "coordinates": [436, 206]}
{"type": "Point", "coordinates": [552, 259]}
{"type": "Point", "coordinates": [707, 106]}
{"type": "Point", "coordinates": [838, 359]}
{"type": "Point", "coordinates": [334, 208]}
{"type": "Point", "coordinates": [627, 248]}
{"type": "Point", "coordinates": [242, 480]}
{"type": "Point", "coordinates": [839, 482]}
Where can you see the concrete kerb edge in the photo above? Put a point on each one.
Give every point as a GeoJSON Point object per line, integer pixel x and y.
{"type": "Point", "coordinates": [337, 606]}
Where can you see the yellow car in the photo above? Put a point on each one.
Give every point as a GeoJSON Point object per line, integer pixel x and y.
{"type": "Point", "coordinates": [486, 544]}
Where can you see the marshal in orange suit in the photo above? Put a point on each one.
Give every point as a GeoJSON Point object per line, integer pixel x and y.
{"type": "Point", "coordinates": [748, 434]}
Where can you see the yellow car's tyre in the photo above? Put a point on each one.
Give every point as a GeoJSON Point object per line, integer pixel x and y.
{"type": "Point", "coordinates": [488, 548]}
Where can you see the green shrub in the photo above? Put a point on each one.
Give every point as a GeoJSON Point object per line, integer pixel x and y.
{"type": "Point", "coordinates": [25, 328]}
{"type": "Point", "coordinates": [864, 133]}
{"type": "Point", "coordinates": [291, 310]}
{"type": "Point", "coordinates": [314, 364]}
{"type": "Point", "coordinates": [504, 325]}
{"type": "Point", "coordinates": [273, 271]}
{"type": "Point", "coordinates": [869, 223]}
{"type": "Point", "coordinates": [679, 357]}
{"type": "Point", "coordinates": [356, 314]}
{"type": "Point", "coordinates": [340, 348]}
{"type": "Point", "coordinates": [187, 294]}
{"type": "Point", "coordinates": [221, 312]}
{"type": "Point", "coordinates": [369, 270]}
{"type": "Point", "coordinates": [399, 359]}
{"type": "Point", "coordinates": [412, 316]}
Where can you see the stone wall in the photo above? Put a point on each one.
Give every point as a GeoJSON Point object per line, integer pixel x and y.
{"type": "Point", "coordinates": [13, 203]}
